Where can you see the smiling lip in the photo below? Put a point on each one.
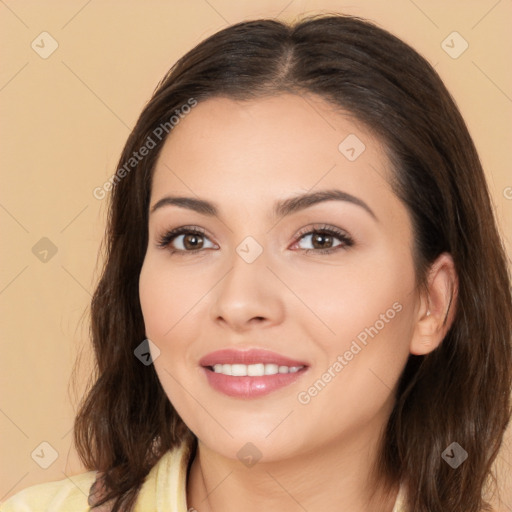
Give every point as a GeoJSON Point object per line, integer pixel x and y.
{"type": "Point", "coordinates": [249, 386]}
{"type": "Point", "coordinates": [253, 356]}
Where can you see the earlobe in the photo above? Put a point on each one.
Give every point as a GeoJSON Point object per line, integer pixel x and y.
{"type": "Point", "coordinates": [437, 306]}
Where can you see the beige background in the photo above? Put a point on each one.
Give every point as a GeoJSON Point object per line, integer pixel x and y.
{"type": "Point", "coordinates": [64, 121]}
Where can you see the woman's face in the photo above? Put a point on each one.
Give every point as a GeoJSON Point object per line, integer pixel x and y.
{"type": "Point", "coordinates": [320, 291]}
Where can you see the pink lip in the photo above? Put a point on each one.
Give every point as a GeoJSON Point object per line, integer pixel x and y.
{"type": "Point", "coordinates": [249, 387]}
{"type": "Point", "coordinates": [252, 356]}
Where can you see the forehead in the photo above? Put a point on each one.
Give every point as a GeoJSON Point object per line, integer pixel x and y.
{"type": "Point", "coordinates": [274, 146]}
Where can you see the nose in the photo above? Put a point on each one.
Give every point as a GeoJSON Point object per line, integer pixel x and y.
{"type": "Point", "coordinates": [249, 295]}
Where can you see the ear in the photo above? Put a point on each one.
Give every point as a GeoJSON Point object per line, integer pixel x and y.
{"type": "Point", "coordinates": [437, 306]}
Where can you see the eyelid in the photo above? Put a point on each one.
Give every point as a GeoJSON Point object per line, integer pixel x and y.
{"type": "Point", "coordinates": [321, 227]}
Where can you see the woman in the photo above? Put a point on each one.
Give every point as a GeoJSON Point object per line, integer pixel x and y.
{"type": "Point", "coordinates": [305, 303]}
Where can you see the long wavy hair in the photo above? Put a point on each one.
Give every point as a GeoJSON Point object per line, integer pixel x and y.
{"type": "Point", "coordinates": [459, 392]}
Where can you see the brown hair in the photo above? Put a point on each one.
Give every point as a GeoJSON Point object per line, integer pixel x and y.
{"type": "Point", "coordinates": [459, 392]}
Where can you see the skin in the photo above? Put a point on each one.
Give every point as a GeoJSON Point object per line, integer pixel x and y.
{"type": "Point", "coordinates": [244, 156]}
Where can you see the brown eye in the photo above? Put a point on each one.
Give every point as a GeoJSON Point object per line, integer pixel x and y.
{"type": "Point", "coordinates": [322, 241]}
{"type": "Point", "coordinates": [185, 240]}
{"type": "Point", "coordinates": [192, 241]}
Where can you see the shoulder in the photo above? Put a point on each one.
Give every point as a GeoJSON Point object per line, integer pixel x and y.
{"type": "Point", "coordinates": [400, 499]}
{"type": "Point", "coordinates": [67, 495]}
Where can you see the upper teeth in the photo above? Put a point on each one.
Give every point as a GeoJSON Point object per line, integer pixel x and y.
{"type": "Point", "coordinates": [253, 370]}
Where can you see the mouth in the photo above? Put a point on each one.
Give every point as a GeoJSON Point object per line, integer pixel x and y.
{"type": "Point", "coordinates": [250, 373]}
{"type": "Point", "coordinates": [253, 370]}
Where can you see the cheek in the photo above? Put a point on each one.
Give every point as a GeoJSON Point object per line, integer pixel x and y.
{"type": "Point", "coordinates": [167, 296]}
{"type": "Point", "coordinates": [368, 307]}
{"type": "Point", "coordinates": [364, 292]}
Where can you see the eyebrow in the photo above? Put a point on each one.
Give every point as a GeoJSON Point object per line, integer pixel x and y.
{"type": "Point", "coordinates": [281, 208]}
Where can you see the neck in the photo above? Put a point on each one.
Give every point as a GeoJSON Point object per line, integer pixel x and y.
{"type": "Point", "coordinates": [335, 476]}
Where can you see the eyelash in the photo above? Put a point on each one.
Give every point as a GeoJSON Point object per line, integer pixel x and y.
{"type": "Point", "coordinates": [346, 241]}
